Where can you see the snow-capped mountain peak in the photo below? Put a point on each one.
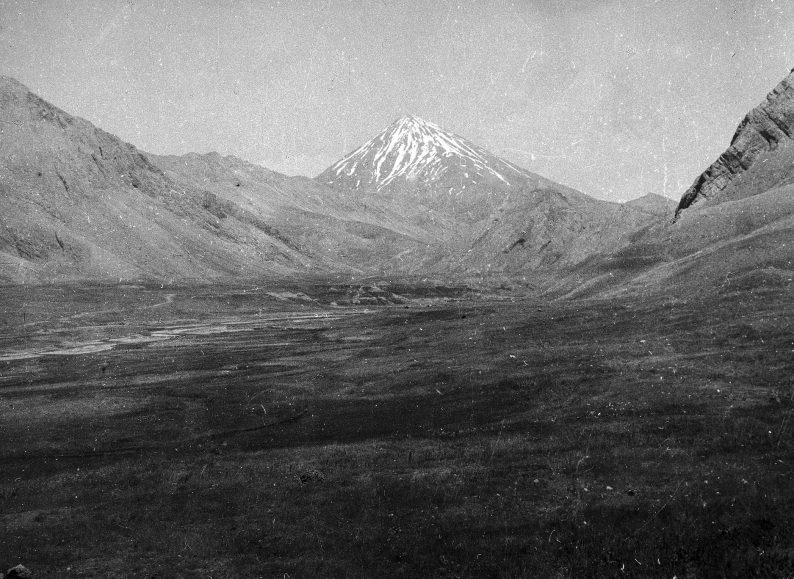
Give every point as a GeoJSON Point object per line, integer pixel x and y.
{"type": "Point", "coordinates": [416, 150]}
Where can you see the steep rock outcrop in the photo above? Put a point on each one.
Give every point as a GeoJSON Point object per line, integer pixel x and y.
{"type": "Point", "coordinates": [762, 131]}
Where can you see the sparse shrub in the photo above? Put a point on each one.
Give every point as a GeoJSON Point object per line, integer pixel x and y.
{"type": "Point", "coordinates": [310, 475]}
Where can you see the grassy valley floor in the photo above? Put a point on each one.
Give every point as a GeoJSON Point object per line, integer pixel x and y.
{"type": "Point", "coordinates": [242, 431]}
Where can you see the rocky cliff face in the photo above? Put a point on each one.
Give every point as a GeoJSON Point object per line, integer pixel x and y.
{"type": "Point", "coordinates": [766, 128]}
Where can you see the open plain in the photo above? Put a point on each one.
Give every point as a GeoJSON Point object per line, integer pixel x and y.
{"type": "Point", "coordinates": [373, 429]}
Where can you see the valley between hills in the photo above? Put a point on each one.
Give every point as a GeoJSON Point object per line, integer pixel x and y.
{"type": "Point", "coordinates": [426, 361]}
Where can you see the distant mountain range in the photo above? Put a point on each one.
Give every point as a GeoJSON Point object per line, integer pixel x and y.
{"type": "Point", "coordinates": [416, 200]}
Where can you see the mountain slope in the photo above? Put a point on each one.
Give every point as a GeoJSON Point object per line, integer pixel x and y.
{"type": "Point", "coordinates": [421, 153]}
{"type": "Point", "coordinates": [344, 232]}
{"type": "Point", "coordinates": [763, 137]}
{"type": "Point", "coordinates": [734, 228]}
{"type": "Point", "coordinates": [487, 215]}
{"type": "Point", "coordinates": [78, 203]}
{"type": "Point", "coordinates": [655, 204]}
{"type": "Point", "coordinates": [749, 188]}
{"type": "Point", "coordinates": [421, 167]}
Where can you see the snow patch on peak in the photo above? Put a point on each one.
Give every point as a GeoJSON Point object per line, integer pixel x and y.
{"type": "Point", "coordinates": [412, 148]}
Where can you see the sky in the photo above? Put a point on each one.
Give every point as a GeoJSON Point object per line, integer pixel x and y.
{"type": "Point", "coordinates": [616, 98]}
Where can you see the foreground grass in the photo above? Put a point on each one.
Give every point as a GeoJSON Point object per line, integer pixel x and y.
{"type": "Point", "coordinates": [467, 439]}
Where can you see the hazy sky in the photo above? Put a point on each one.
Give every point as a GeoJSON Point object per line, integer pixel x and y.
{"type": "Point", "coordinates": [617, 98]}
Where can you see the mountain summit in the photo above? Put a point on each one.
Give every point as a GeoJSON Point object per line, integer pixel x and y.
{"type": "Point", "coordinates": [419, 153]}
{"type": "Point", "coordinates": [479, 214]}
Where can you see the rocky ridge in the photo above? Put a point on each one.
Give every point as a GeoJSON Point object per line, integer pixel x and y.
{"type": "Point", "coordinates": [763, 130]}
